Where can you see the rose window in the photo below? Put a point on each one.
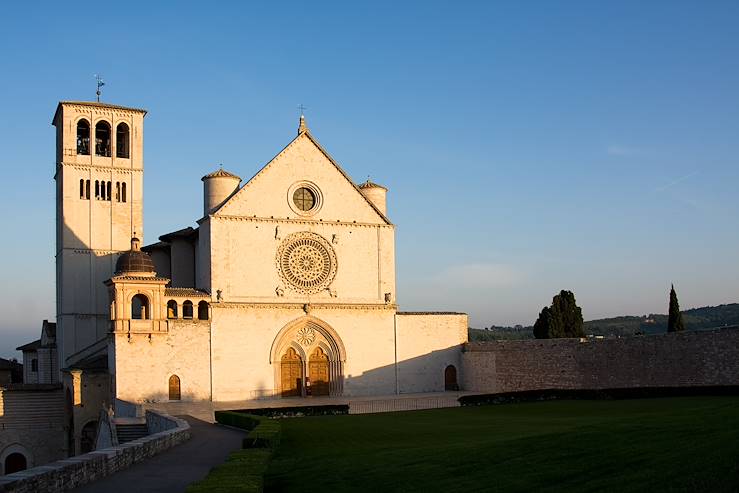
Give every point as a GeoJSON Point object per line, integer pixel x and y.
{"type": "Point", "coordinates": [305, 336]}
{"type": "Point", "coordinates": [306, 262]}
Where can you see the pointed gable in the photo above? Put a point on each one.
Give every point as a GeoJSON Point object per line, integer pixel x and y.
{"type": "Point", "coordinates": [270, 192]}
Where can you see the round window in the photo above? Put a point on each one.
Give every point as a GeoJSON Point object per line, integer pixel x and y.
{"type": "Point", "coordinates": [304, 199]}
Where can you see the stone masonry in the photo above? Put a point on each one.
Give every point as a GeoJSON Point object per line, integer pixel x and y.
{"type": "Point", "coordinates": [668, 360]}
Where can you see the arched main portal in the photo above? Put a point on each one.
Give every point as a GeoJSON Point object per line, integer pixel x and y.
{"type": "Point", "coordinates": [308, 347]}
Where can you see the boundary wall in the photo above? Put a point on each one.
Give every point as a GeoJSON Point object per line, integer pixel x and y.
{"type": "Point", "coordinates": [166, 431]}
{"type": "Point", "coordinates": [684, 359]}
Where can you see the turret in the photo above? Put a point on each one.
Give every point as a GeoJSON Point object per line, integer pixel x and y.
{"type": "Point", "coordinates": [217, 188]}
{"type": "Point", "coordinates": [377, 194]}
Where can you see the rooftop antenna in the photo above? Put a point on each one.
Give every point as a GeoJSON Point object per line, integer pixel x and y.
{"type": "Point", "coordinates": [100, 83]}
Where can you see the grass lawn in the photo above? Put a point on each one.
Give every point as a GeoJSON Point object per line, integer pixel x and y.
{"type": "Point", "coordinates": [654, 445]}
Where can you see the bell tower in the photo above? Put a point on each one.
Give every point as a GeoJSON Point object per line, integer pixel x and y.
{"type": "Point", "coordinates": [99, 203]}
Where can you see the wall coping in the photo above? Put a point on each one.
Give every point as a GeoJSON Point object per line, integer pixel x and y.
{"type": "Point", "coordinates": [82, 469]}
{"type": "Point", "coordinates": [494, 345]}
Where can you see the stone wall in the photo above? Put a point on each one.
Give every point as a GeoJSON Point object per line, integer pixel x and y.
{"type": "Point", "coordinates": [427, 343]}
{"type": "Point", "coordinates": [69, 473]}
{"type": "Point", "coordinates": [666, 360]}
{"type": "Point", "coordinates": [32, 423]}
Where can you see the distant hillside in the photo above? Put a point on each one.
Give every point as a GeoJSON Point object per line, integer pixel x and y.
{"type": "Point", "coordinates": [707, 317]}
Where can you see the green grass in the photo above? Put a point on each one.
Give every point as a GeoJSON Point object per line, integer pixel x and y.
{"type": "Point", "coordinates": [676, 444]}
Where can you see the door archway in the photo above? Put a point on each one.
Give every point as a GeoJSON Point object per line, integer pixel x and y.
{"type": "Point", "coordinates": [318, 370]}
{"type": "Point", "coordinates": [304, 336]}
{"type": "Point", "coordinates": [450, 378]}
{"type": "Point", "coordinates": [291, 374]}
{"type": "Point", "coordinates": [15, 462]}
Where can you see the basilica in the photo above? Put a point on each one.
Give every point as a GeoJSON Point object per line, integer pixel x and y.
{"type": "Point", "coordinates": [283, 288]}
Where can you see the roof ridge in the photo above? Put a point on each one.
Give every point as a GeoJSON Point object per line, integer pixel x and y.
{"type": "Point", "coordinates": [326, 154]}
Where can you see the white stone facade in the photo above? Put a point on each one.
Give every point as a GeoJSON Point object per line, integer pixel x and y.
{"type": "Point", "coordinates": [286, 287]}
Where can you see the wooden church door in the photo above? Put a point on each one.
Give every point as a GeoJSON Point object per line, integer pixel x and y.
{"type": "Point", "coordinates": [291, 374]}
{"type": "Point", "coordinates": [318, 371]}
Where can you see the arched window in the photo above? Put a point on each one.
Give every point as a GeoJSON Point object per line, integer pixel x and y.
{"type": "Point", "coordinates": [117, 191]}
{"type": "Point", "coordinates": [203, 310]}
{"type": "Point", "coordinates": [87, 189]}
{"type": "Point", "coordinates": [171, 309]}
{"type": "Point", "coordinates": [107, 196]}
{"type": "Point", "coordinates": [83, 137]}
{"type": "Point", "coordinates": [140, 307]}
{"type": "Point", "coordinates": [450, 378]}
{"type": "Point", "coordinates": [102, 139]}
{"type": "Point", "coordinates": [82, 188]}
{"type": "Point", "coordinates": [121, 140]}
{"type": "Point", "coordinates": [87, 437]}
{"type": "Point", "coordinates": [174, 388]}
{"type": "Point", "coordinates": [97, 189]}
{"type": "Point", "coordinates": [123, 191]}
{"type": "Point", "coordinates": [102, 190]}
{"type": "Point", "coordinates": [15, 462]}
{"type": "Point", "coordinates": [187, 309]}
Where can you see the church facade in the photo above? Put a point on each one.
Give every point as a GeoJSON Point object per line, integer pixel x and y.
{"type": "Point", "coordinates": [285, 287]}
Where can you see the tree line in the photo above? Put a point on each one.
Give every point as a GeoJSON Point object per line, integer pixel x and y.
{"type": "Point", "coordinates": [563, 318]}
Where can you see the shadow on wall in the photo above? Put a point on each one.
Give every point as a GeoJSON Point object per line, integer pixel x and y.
{"type": "Point", "coordinates": [430, 372]}
{"type": "Point", "coordinates": [436, 371]}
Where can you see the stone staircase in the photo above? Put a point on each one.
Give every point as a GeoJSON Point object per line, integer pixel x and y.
{"type": "Point", "coordinates": [128, 432]}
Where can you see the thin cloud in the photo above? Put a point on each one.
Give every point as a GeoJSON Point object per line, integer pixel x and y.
{"type": "Point", "coordinates": [479, 275]}
{"type": "Point", "coordinates": [615, 150]}
{"type": "Point", "coordinates": [675, 182]}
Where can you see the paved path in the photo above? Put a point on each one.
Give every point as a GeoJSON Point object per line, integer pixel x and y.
{"type": "Point", "coordinates": [173, 470]}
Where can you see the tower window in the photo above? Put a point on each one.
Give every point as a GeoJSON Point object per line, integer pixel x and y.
{"type": "Point", "coordinates": [171, 309]}
{"type": "Point", "coordinates": [97, 189]}
{"type": "Point", "coordinates": [187, 309]}
{"type": "Point", "coordinates": [203, 310]}
{"type": "Point", "coordinates": [121, 140]}
{"type": "Point", "coordinates": [82, 188]}
{"type": "Point", "coordinates": [123, 191]}
{"type": "Point", "coordinates": [107, 196]}
{"type": "Point", "coordinates": [102, 139]}
{"type": "Point", "coordinates": [140, 307]}
{"type": "Point", "coordinates": [87, 189]}
{"type": "Point", "coordinates": [83, 137]}
{"type": "Point", "coordinates": [117, 191]}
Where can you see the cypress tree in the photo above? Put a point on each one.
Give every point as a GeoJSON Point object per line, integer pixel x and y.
{"type": "Point", "coordinates": [674, 318]}
{"type": "Point", "coordinates": [563, 319]}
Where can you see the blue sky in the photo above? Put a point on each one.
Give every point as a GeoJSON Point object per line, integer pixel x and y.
{"type": "Point", "coordinates": [528, 146]}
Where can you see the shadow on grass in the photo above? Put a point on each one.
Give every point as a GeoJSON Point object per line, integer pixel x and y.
{"type": "Point", "coordinates": [669, 444]}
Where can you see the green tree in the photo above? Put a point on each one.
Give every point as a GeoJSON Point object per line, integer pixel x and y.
{"type": "Point", "coordinates": [674, 318]}
{"type": "Point", "coordinates": [562, 319]}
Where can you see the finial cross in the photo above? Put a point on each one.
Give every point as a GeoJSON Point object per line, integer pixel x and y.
{"type": "Point", "coordinates": [302, 109]}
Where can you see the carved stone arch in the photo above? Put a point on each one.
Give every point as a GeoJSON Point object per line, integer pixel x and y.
{"type": "Point", "coordinates": [336, 346]}
{"type": "Point", "coordinates": [304, 335]}
{"type": "Point", "coordinates": [15, 448]}
{"type": "Point", "coordinates": [324, 346]}
{"type": "Point", "coordinates": [298, 349]}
